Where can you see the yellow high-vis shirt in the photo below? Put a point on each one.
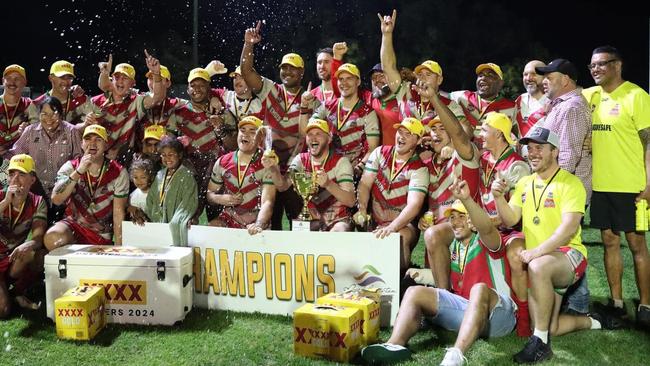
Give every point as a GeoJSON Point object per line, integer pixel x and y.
{"type": "Point", "coordinates": [618, 156]}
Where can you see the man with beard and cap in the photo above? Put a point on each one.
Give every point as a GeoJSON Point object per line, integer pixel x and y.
{"type": "Point", "coordinates": [549, 204]}
{"type": "Point", "coordinates": [23, 221]}
{"type": "Point", "coordinates": [281, 110]}
{"type": "Point", "coordinates": [241, 184]}
{"type": "Point", "coordinates": [120, 107]}
{"type": "Point", "coordinates": [412, 104]}
{"type": "Point", "coordinates": [95, 191]}
{"type": "Point", "coordinates": [486, 98]}
{"type": "Point", "coordinates": [621, 174]}
{"type": "Point", "coordinates": [75, 103]}
{"type": "Point", "coordinates": [16, 111]}
{"type": "Point", "coordinates": [353, 124]}
{"type": "Point", "coordinates": [530, 105]}
{"type": "Point", "coordinates": [330, 206]}
{"type": "Point", "coordinates": [396, 179]}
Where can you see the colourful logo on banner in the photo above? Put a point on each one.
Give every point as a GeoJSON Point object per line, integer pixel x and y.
{"type": "Point", "coordinates": [369, 276]}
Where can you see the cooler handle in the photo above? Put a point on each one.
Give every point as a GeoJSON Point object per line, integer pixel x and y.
{"type": "Point", "coordinates": [187, 279]}
{"type": "Point", "coordinates": [160, 269]}
{"type": "Point", "coordinates": [63, 268]}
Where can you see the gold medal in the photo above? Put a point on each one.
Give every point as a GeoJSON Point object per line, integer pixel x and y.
{"type": "Point", "coordinates": [536, 220]}
{"type": "Point", "coordinates": [7, 138]}
{"type": "Point", "coordinates": [91, 206]}
{"type": "Point", "coordinates": [486, 197]}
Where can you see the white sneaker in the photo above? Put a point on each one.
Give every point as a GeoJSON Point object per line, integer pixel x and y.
{"type": "Point", "coordinates": [385, 353]}
{"type": "Point", "coordinates": [453, 357]}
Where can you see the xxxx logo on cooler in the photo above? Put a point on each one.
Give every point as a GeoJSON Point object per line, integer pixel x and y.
{"type": "Point", "coordinates": [121, 292]}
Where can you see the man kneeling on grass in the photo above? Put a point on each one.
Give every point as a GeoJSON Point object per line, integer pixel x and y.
{"type": "Point", "coordinates": [479, 303]}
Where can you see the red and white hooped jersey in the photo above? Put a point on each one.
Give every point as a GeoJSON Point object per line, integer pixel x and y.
{"type": "Point", "coordinates": [411, 105]}
{"type": "Point", "coordinates": [530, 111]}
{"type": "Point", "coordinates": [74, 109]}
{"type": "Point", "coordinates": [511, 166]}
{"type": "Point", "coordinates": [475, 108]}
{"type": "Point", "coordinates": [12, 117]}
{"type": "Point", "coordinates": [119, 119]}
{"type": "Point", "coordinates": [16, 226]}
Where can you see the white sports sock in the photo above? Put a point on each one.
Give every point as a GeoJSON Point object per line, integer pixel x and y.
{"type": "Point", "coordinates": [618, 303]}
{"type": "Point", "coordinates": [595, 324]}
{"type": "Point", "coordinates": [543, 335]}
{"type": "Point", "coordinates": [643, 305]}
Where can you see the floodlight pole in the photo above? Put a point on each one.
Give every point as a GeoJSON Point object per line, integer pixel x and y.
{"type": "Point", "coordinates": [195, 33]}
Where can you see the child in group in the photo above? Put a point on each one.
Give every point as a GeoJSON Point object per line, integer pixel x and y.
{"type": "Point", "coordinates": [173, 197]}
{"type": "Point", "coordinates": [142, 175]}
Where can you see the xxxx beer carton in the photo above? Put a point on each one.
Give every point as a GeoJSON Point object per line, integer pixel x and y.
{"type": "Point", "coordinates": [326, 331]}
{"type": "Point", "coordinates": [369, 309]}
{"type": "Point", "coordinates": [79, 313]}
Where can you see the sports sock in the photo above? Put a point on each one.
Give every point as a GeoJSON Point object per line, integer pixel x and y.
{"type": "Point", "coordinates": [595, 324]}
{"type": "Point", "coordinates": [543, 335]}
{"type": "Point", "coordinates": [618, 303]}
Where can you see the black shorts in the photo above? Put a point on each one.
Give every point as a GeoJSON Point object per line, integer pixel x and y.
{"type": "Point", "coordinates": [613, 210]}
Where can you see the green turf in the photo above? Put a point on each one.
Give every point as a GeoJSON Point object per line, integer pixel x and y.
{"type": "Point", "coordinates": [229, 338]}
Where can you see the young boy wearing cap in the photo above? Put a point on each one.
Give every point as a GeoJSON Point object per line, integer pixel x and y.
{"type": "Point", "coordinates": [75, 107]}
{"type": "Point", "coordinates": [95, 191]}
{"type": "Point", "coordinates": [353, 124]}
{"type": "Point", "coordinates": [332, 172]}
{"type": "Point", "coordinates": [478, 303]}
{"type": "Point", "coordinates": [486, 98]}
{"type": "Point", "coordinates": [412, 103]}
{"type": "Point", "coordinates": [281, 106]}
{"type": "Point", "coordinates": [550, 204]}
{"type": "Point", "coordinates": [397, 179]}
{"type": "Point", "coordinates": [16, 111]}
{"type": "Point", "coordinates": [120, 107]}
{"type": "Point", "coordinates": [241, 184]}
{"type": "Point", "coordinates": [21, 213]}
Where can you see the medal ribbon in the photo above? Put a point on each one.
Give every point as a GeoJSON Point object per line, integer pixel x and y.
{"type": "Point", "coordinates": [288, 105]}
{"type": "Point", "coordinates": [532, 186]}
{"type": "Point", "coordinates": [10, 121]}
{"type": "Point", "coordinates": [92, 189]}
{"type": "Point", "coordinates": [340, 123]}
{"type": "Point", "coordinates": [166, 182]}
{"type": "Point", "coordinates": [487, 177]}
{"type": "Point", "coordinates": [457, 250]}
{"type": "Point", "coordinates": [242, 175]}
{"type": "Point", "coordinates": [248, 104]}
{"type": "Point", "coordinates": [20, 212]}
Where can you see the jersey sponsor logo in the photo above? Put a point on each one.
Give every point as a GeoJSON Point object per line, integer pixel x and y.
{"type": "Point", "coordinates": [601, 127]}
{"type": "Point", "coordinates": [615, 111]}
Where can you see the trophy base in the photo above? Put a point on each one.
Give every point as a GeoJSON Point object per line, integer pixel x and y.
{"type": "Point", "coordinates": [300, 225]}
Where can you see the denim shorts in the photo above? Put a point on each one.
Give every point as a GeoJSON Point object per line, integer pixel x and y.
{"type": "Point", "coordinates": [451, 309]}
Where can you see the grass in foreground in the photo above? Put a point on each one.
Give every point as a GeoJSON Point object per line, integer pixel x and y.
{"type": "Point", "coordinates": [230, 338]}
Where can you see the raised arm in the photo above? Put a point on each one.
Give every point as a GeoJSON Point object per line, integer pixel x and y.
{"type": "Point", "coordinates": [480, 219]}
{"type": "Point", "coordinates": [104, 81]}
{"type": "Point", "coordinates": [158, 89]}
{"type": "Point", "coordinates": [252, 36]}
{"type": "Point", "coordinates": [387, 52]}
{"type": "Point", "coordinates": [509, 215]}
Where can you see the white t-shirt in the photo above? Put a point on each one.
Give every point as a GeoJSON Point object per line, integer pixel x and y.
{"type": "Point", "coordinates": [138, 199]}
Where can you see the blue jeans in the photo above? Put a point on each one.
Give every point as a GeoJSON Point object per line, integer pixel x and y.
{"type": "Point", "coordinates": [576, 297]}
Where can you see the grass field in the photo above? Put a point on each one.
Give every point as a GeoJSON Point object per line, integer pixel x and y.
{"type": "Point", "coordinates": [230, 338]}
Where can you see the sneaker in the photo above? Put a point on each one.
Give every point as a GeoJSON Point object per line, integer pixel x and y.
{"type": "Point", "coordinates": [609, 321]}
{"type": "Point", "coordinates": [453, 357]}
{"type": "Point", "coordinates": [534, 351]}
{"type": "Point", "coordinates": [611, 309]}
{"type": "Point", "coordinates": [643, 317]}
{"type": "Point", "coordinates": [385, 353]}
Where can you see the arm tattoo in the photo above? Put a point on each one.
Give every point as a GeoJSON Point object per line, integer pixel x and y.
{"type": "Point", "coordinates": [60, 187]}
{"type": "Point", "coordinates": [644, 134]}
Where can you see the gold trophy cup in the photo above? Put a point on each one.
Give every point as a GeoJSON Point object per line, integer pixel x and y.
{"type": "Point", "coordinates": [305, 185]}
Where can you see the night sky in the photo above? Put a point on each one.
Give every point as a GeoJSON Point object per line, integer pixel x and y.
{"type": "Point", "coordinates": [458, 34]}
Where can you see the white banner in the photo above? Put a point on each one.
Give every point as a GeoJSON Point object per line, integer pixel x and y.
{"type": "Point", "coordinates": [275, 272]}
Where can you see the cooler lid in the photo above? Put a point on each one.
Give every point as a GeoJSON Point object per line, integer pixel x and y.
{"type": "Point", "coordinates": [108, 255]}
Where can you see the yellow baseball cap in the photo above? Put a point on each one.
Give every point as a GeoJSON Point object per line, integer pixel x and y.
{"type": "Point", "coordinates": [432, 66]}
{"type": "Point", "coordinates": [456, 206]}
{"type": "Point", "coordinates": [125, 69]}
{"type": "Point", "coordinates": [21, 162]}
{"type": "Point", "coordinates": [15, 68]}
{"type": "Point", "coordinates": [491, 66]}
{"type": "Point", "coordinates": [164, 73]}
{"type": "Point", "coordinates": [350, 69]}
{"type": "Point", "coordinates": [97, 130]}
{"type": "Point", "coordinates": [155, 132]}
{"type": "Point", "coordinates": [62, 68]}
{"type": "Point", "coordinates": [502, 123]}
{"type": "Point", "coordinates": [412, 124]}
{"type": "Point", "coordinates": [236, 72]}
{"type": "Point", "coordinates": [318, 123]}
{"type": "Point", "coordinates": [433, 121]}
{"type": "Point", "coordinates": [293, 59]}
{"type": "Point", "coordinates": [250, 120]}
{"type": "Point", "coordinates": [198, 73]}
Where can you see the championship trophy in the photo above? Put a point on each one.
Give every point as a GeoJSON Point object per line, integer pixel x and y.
{"type": "Point", "coordinates": [305, 185]}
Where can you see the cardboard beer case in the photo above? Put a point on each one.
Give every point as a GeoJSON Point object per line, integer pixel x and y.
{"type": "Point", "coordinates": [141, 285]}
{"type": "Point", "coordinates": [79, 313]}
{"type": "Point", "coordinates": [369, 309]}
{"type": "Point", "coordinates": [326, 331]}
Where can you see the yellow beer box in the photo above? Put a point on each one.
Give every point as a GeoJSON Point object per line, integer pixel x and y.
{"type": "Point", "coordinates": [326, 331]}
{"type": "Point", "coordinates": [369, 309]}
{"type": "Point", "coordinates": [79, 313]}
